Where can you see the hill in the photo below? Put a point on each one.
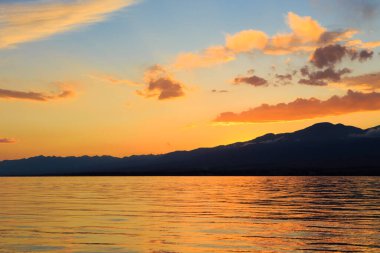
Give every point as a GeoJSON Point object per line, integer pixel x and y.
{"type": "Point", "coordinates": [321, 149]}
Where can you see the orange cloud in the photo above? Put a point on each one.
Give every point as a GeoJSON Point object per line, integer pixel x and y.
{"type": "Point", "coordinates": [305, 28]}
{"type": "Point", "coordinates": [34, 96]}
{"type": "Point", "coordinates": [31, 21]}
{"type": "Point", "coordinates": [361, 44]}
{"type": "Point", "coordinates": [306, 108]}
{"type": "Point", "coordinates": [211, 56]}
{"type": "Point", "coordinates": [113, 80]}
{"type": "Point", "coordinates": [246, 41]}
{"type": "Point", "coordinates": [161, 84]}
{"type": "Point", "coordinates": [306, 35]}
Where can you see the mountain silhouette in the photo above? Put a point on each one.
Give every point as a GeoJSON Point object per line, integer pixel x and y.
{"type": "Point", "coordinates": [321, 149]}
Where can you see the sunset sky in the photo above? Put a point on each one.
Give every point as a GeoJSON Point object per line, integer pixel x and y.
{"type": "Point", "coordinates": [124, 77]}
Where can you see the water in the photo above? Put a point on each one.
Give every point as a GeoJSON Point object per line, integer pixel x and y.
{"type": "Point", "coordinates": [190, 214]}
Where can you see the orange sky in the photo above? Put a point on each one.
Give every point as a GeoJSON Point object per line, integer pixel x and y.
{"type": "Point", "coordinates": [123, 77]}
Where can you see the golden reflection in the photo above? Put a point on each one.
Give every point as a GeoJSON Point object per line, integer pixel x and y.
{"type": "Point", "coordinates": [188, 214]}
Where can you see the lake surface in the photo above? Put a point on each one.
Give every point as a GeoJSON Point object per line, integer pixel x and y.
{"type": "Point", "coordinates": [190, 214]}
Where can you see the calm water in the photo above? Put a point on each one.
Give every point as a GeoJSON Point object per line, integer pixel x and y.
{"type": "Point", "coordinates": [190, 214]}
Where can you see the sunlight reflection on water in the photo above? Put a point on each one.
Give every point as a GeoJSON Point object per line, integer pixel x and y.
{"type": "Point", "coordinates": [190, 214]}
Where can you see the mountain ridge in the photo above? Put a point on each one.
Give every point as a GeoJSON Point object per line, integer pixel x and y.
{"type": "Point", "coordinates": [321, 149]}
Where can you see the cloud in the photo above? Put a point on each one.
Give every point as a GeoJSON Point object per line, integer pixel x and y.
{"type": "Point", "coordinates": [284, 79]}
{"type": "Point", "coordinates": [323, 62]}
{"type": "Point", "coordinates": [329, 37]}
{"type": "Point", "coordinates": [361, 44]}
{"type": "Point", "coordinates": [320, 77]}
{"type": "Point", "coordinates": [246, 41]}
{"type": "Point", "coordinates": [305, 36]}
{"type": "Point", "coordinates": [219, 91]}
{"type": "Point", "coordinates": [306, 108]}
{"type": "Point", "coordinates": [362, 55]}
{"type": "Point", "coordinates": [161, 84]}
{"type": "Point", "coordinates": [251, 80]}
{"type": "Point", "coordinates": [370, 81]}
{"type": "Point", "coordinates": [6, 141]}
{"type": "Point", "coordinates": [34, 96]}
{"type": "Point", "coordinates": [209, 57]}
{"type": "Point", "coordinates": [23, 22]}
{"type": "Point", "coordinates": [113, 80]}
{"type": "Point", "coordinates": [305, 28]}
{"type": "Point", "coordinates": [330, 55]}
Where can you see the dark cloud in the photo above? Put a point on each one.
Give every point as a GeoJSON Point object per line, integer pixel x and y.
{"type": "Point", "coordinates": [284, 77]}
{"type": "Point", "coordinates": [321, 77]}
{"type": "Point", "coordinates": [329, 37]}
{"type": "Point", "coordinates": [312, 82]}
{"type": "Point", "coordinates": [251, 80]}
{"type": "Point", "coordinates": [219, 91]}
{"type": "Point", "coordinates": [161, 84]}
{"type": "Point", "coordinates": [330, 55]}
{"type": "Point", "coordinates": [323, 61]}
{"type": "Point", "coordinates": [6, 140]}
{"type": "Point", "coordinates": [35, 96]}
{"type": "Point", "coordinates": [362, 55]}
{"type": "Point", "coordinates": [167, 87]}
{"type": "Point", "coordinates": [306, 108]}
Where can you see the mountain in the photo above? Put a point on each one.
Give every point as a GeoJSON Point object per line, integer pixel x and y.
{"type": "Point", "coordinates": [321, 149]}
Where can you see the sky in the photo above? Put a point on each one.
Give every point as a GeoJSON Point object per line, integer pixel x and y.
{"type": "Point", "coordinates": [129, 77]}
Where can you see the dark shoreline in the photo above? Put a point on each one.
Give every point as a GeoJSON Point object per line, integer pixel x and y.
{"type": "Point", "coordinates": [323, 149]}
{"type": "Point", "coordinates": [367, 172]}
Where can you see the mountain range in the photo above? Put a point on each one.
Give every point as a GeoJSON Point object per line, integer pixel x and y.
{"type": "Point", "coordinates": [321, 149]}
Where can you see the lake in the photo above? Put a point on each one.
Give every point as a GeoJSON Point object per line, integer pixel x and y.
{"type": "Point", "coordinates": [190, 214]}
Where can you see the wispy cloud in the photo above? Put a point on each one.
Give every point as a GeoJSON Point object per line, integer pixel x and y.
{"type": "Point", "coordinates": [35, 96]}
{"type": "Point", "coordinates": [306, 108]}
{"type": "Point", "coordinates": [7, 140]}
{"type": "Point", "coordinates": [219, 91]}
{"type": "Point", "coordinates": [23, 22]}
{"type": "Point", "coordinates": [113, 79]}
{"type": "Point", "coordinates": [368, 82]}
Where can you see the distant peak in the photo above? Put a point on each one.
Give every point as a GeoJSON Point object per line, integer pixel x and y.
{"type": "Point", "coordinates": [327, 130]}
{"type": "Point", "coordinates": [328, 125]}
{"type": "Point", "coordinates": [324, 124]}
